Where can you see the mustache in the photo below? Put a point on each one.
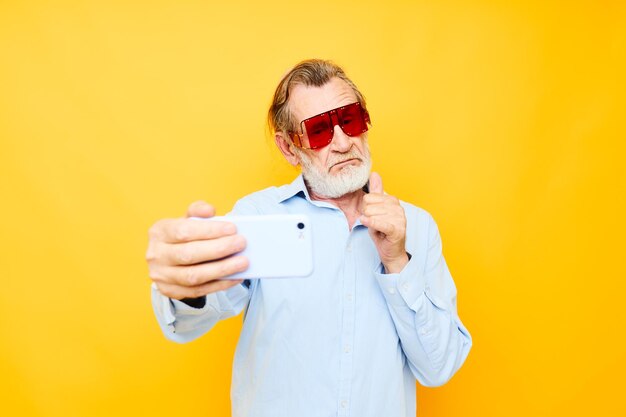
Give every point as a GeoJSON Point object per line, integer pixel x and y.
{"type": "Point", "coordinates": [334, 160]}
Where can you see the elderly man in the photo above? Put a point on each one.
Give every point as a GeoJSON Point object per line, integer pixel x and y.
{"type": "Point", "coordinates": [379, 311]}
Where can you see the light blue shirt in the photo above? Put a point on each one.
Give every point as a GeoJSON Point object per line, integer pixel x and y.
{"type": "Point", "coordinates": [348, 340]}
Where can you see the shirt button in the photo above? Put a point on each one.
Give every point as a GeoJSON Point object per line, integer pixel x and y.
{"type": "Point", "coordinates": [405, 286]}
{"type": "Point", "coordinates": [391, 290]}
{"type": "Point", "coordinates": [423, 331]}
{"type": "Point", "coordinates": [344, 404]}
{"type": "Point", "coordinates": [349, 248]}
{"type": "Point", "coordinates": [347, 349]}
{"type": "Point", "coordinates": [349, 297]}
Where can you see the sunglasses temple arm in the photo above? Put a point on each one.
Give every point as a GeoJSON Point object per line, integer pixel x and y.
{"type": "Point", "coordinates": [296, 140]}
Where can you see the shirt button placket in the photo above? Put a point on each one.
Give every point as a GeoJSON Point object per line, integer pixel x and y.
{"type": "Point", "coordinates": [347, 329]}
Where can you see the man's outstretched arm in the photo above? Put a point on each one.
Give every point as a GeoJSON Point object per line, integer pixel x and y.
{"type": "Point", "coordinates": [188, 260]}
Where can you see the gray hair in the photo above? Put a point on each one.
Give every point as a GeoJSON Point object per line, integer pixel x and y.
{"type": "Point", "coordinates": [311, 73]}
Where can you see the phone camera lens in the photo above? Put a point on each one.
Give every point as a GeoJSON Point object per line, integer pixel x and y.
{"type": "Point", "coordinates": [300, 226]}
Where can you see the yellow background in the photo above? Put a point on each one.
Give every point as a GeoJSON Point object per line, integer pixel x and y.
{"type": "Point", "coordinates": [504, 119]}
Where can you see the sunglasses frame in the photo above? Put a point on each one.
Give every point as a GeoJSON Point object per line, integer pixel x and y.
{"type": "Point", "coordinates": [296, 137]}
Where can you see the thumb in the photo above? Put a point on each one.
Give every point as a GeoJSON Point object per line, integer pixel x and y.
{"type": "Point", "coordinates": [376, 183]}
{"type": "Point", "coordinates": [200, 209]}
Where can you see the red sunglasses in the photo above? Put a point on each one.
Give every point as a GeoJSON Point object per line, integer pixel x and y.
{"type": "Point", "coordinates": [318, 131]}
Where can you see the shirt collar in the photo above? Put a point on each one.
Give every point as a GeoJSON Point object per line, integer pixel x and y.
{"type": "Point", "coordinates": [298, 187]}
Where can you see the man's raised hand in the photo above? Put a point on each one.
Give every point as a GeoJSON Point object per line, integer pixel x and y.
{"type": "Point", "coordinates": [386, 221]}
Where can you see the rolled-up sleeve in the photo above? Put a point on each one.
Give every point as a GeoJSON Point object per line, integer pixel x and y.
{"type": "Point", "coordinates": [422, 302]}
{"type": "Point", "coordinates": [182, 323]}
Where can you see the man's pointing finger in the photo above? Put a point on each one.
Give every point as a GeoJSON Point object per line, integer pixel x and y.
{"type": "Point", "coordinates": [376, 183]}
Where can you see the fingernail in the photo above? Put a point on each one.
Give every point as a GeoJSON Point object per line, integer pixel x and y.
{"type": "Point", "coordinates": [240, 261]}
{"type": "Point", "coordinates": [240, 243]}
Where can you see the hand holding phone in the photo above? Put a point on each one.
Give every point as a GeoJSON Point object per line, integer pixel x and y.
{"type": "Point", "coordinates": [277, 246]}
{"type": "Point", "coordinates": [189, 259]}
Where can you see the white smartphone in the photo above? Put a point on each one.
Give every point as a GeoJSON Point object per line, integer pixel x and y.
{"type": "Point", "coordinates": [278, 246]}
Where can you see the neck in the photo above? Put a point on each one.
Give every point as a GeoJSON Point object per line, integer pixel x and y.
{"type": "Point", "coordinates": [349, 204]}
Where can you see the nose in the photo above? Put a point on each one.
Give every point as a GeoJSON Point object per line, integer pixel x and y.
{"type": "Point", "coordinates": [341, 142]}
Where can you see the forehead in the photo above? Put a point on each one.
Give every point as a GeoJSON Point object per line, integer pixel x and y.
{"type": "Point", "coordinates": [307, 101]}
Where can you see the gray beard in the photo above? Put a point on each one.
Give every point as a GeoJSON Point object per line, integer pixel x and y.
{"type": "Point", "coordinates": [349, 179]}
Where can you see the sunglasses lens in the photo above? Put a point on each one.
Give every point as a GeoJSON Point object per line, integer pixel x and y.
{"type": "Point", "coordinates": [319, 131]}
{"type": "Point", "coordinates": [352, 120]}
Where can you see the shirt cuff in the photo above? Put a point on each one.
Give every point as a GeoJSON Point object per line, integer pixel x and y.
{"type": "Point", "coordinates": [403, 288]}
{"type": "Point", "coordinates": [170, 308]}
{"type": "Point", "coordinates": [212, 302]}
{"type": "Point", "coordinates": [163, 308]}
{"type": "Point", "coordinates": [198, 302]}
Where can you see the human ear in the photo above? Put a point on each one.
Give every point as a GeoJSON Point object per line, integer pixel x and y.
{"type": "Point", "coordinates": [286, 148]}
